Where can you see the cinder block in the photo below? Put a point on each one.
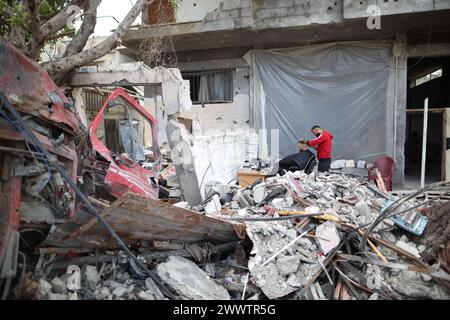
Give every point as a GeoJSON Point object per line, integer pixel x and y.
{"type": "Point", "coordinates": [338, 164]}
{"type": "Point", "coordinates": [350, 163]}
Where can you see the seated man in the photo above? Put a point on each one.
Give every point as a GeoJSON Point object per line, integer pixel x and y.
{"type": "Point", "coordinates": [303, 160]}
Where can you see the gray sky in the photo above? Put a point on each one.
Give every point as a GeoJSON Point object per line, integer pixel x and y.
{"type": "Point", "coordinates": [108, 9]}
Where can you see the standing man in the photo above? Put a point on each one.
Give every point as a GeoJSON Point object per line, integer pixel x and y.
{"type": "Point", "coordinates": [323, 145]}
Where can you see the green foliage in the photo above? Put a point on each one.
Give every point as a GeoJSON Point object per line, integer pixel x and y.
{"type": "Point", "coordinates": [20, 14]}
{"type": "Point", "coordinates": [173, 3]}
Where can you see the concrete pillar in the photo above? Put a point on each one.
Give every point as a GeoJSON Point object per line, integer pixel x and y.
{"type": "Point", "coordinates": [401, 73]}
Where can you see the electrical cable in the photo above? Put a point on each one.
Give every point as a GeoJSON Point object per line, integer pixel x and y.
{"type": "Point", "coordinates": [29, 135]}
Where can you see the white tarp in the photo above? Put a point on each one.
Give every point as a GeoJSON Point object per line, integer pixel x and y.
{"type": "Point", "coordinates": [347, 88]}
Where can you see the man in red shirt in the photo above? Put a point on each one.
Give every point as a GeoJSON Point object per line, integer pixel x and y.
{"type": "Point", "coordinates": [323, 145]}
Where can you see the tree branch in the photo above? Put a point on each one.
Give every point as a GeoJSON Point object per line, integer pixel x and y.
{"type": "Point", "coordinates": [59, 68]}
{"type": "Point", "coordinates": [57, 22]}
{"type": "Point", "coordinates": [34, 46]}
{"type": "Point", "coordinates": [86, 29]}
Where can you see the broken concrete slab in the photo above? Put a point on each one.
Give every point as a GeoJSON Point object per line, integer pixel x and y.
{"type": "Point", "coordinates": [43, 290]}
{"type": "Point", "coordinates": [183, 159]}
{"type": "Point", "coordinates": [214, 206]}
{"type": "Point", "coordinates": [259, 192]}
{"type": "Point", "coordinates": [59, 286]}
{"type": "Point", "coordinates": [327, 236]}
{"type": "Point", "coordinates": [287, 265]}
{"type": "Point", "coordinates": [411, 285]}
{"type": "Point", "coordinates": [409, 247]}
{"type": "Point", "coordinates": [189, 280]}
{"type": "Point", "coordinates": [92, 276]}
{"type": "Point", "coordinates": [144, 295]}
{"type": "Point", "coordinates": [269, 280]}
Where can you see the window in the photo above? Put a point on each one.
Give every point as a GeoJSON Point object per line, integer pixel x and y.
{"type": "Point", "coordinates": [214, 86]}
{"type": "Point", "coordinates": [431, 76]}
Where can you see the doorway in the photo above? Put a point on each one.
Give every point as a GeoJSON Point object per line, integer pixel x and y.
{"type": "Point", "coordinates": [428, 78]}
{"type": "Point", "coordinates": [435, 150]}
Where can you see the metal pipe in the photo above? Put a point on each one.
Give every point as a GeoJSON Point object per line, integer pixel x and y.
{"type": "Point", "coordinates": [424, 144]}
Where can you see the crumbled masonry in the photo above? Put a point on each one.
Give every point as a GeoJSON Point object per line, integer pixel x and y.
{"type": "Point", "coordinates": [285, 259]}
{"type": "Point", "coordinates": [88, 223]}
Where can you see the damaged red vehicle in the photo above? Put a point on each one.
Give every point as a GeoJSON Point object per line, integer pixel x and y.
{"type": "Point", "coordinates": [125, 172]}
{"type": "Point", "coordinates": [33, 195]}
{"type": "Point", "coordinates": [31, 192]}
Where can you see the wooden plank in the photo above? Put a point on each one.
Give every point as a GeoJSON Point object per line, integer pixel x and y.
{"type": "Point", "coordinates": [434, 110]}
{"type": "Point", "coordinates": [136, 218]}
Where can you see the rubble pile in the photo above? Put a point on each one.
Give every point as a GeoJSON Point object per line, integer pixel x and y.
{"type": "Point", "coordinates": [289, 258]}
{"type": "Point", "coordinates": [112, 280]}
{"type": "Point", "coordinates": [108, 225]}
{"type": "Point", "coordinates": [304, 242]}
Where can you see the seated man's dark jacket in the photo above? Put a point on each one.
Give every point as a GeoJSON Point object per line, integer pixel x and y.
{"type": "Point", "coordinates": [299, 161]}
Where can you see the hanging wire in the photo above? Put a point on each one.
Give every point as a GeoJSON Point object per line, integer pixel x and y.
{"type": "Point", "coordinates": [14, 116]}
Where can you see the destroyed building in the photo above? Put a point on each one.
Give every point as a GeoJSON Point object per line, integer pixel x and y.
{"type": "Point", "coordinates": [153, 182]}
{"type": "Point", "coordinates": [236, 44]}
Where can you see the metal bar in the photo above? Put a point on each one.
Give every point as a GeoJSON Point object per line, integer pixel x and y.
{"type": "Point", "coordinates": [424, 144]}
{"type": "Point", "coordinates": [272, 218]}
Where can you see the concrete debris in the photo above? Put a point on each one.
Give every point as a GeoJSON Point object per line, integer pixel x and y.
{"type": "Point", "coordinates": [43, 289]}
{"type": "Point", "coordinates": [59, 286]}
{"type": "Point", "coordinates": [412, 285]}
{"type": "Point", "coordinates": [56, 296]}
{"type": "Point", "coordinates": [286, 257]}
{"type": "Point", "coordinates": [409, 247]}
{"type": "Point", "coordinates": [92, 276]}
{"type": "Point", "coordinates": [327, 236]}
{"type": "Point", "coordinates": [214, 206]}
{"type": "Point", "coordinates": [297, 236]}
{"type": "Point", "coordinates": [287, 265]}
{"type": "Point", "coordinates": [189, 280]}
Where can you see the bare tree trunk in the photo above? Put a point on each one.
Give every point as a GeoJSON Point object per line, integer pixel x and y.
{"type": "Point", "coordinates": [86, 29]}
{"type": "Point", "coordinates": [34, 47]}
{"type": "Point", "coordinates": [58, 69]}
{"type": "Point", "coordinates": [17, 38]}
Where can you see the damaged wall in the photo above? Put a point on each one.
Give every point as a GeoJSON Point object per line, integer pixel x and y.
{"type": "Point", "coordinates": [165, 93]}
{"type": "Point", "coordinates": [222, 115]}
{"type": "Point", "coordinates": [217, 15]}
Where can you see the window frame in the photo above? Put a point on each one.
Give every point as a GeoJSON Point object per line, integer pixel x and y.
{"type": "Point", "coordinates": [427, 78]}
{"type": "Point", "coordinates": [191, 75]}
